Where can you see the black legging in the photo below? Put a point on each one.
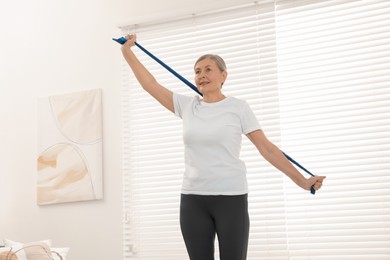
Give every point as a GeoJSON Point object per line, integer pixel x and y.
{"type": "Point", "coordinates": [203, 216]}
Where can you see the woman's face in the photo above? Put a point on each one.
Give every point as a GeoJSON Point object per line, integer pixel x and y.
{"type": "Point", "coordinates": [208, 77]}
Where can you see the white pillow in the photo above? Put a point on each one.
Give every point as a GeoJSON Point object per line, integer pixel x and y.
{"type": "Point", "coordinates": [59, 253]}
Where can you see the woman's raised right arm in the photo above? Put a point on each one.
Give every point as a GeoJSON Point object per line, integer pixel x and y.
{"type": "Point", "coordinates": [144, 77]}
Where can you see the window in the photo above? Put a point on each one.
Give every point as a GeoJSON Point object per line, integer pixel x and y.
{"type": "Point", "coordinates": [316, 74]}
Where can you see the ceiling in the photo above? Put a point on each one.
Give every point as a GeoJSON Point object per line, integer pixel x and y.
{"type": "Point", "coordinates": [129, 12]}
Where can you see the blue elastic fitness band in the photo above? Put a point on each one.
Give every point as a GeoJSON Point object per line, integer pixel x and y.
{"type": "Point", "coordinates": [122, 40]}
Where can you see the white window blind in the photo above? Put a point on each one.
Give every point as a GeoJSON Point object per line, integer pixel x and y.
{"type": "Point", "coordinates": [334, 89]}
{"type": "Point", "coordinates": [316, 74]}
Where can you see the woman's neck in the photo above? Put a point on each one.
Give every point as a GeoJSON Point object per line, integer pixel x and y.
{"type": "Point", "coordinates": [213, 98]}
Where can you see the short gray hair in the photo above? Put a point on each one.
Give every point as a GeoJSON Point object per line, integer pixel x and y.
{"type": "Point", "coordinates": [218, 60]}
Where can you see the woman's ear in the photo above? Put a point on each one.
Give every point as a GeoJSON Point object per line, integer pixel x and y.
{"type": "Point", "coordinates": [224, 76]}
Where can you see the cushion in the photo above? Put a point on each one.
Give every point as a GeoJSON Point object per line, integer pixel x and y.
{"type": "Point", "coordinates": [39, 250]}
{"type": "Point", "coordinates": [35, 251]}
{"type": "Point", "coordinates": [7, 254]}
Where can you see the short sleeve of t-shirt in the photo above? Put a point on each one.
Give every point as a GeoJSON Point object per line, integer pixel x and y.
{"type": "Point", "coordinates": [181, 102]}
{"type": "Point", "coordinates": [249, 122]}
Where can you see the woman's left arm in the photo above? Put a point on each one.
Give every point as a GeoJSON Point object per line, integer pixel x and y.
{"type": "Point", "coordinates": [273, 155]}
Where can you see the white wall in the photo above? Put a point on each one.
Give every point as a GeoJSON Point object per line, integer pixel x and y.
{"type": "Point", "coordinates": [52, 47]}
{"type": "Point", "coordinates": [46, 48]}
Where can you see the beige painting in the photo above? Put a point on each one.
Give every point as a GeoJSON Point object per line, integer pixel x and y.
{"type": "Point", "coordinates": [69, 163]}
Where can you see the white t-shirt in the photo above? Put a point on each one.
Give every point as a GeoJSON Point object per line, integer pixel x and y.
{"type": "Point", "coordinates": [212, 135]}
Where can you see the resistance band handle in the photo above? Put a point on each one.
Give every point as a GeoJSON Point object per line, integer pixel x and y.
{"type": "Point", "coordinates": [122, 40]}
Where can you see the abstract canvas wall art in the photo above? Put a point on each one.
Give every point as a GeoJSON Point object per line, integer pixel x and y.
{"type": "Point", "coordinates": [69, 162]}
